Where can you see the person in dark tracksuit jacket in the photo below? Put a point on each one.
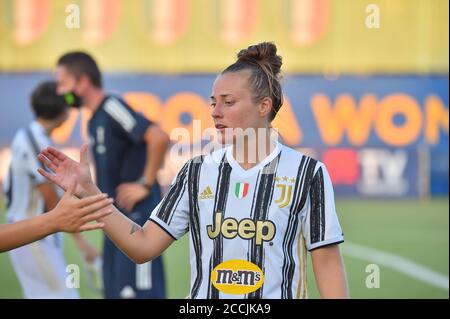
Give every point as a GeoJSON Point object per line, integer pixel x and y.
{"type": "Point", "coordinates": [128, 150]}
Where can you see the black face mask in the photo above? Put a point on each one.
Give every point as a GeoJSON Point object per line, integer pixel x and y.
{"type": "Point", "coordinates": [72, 99]}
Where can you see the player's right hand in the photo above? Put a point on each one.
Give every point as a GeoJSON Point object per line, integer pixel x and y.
{"type": "Point", "coordinates": [72, 215]}
{"type": "Point", "coordinates": [63, 168]}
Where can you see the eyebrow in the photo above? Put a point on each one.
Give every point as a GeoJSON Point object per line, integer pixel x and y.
{"type": "Point", "coordinates": [221, 95]}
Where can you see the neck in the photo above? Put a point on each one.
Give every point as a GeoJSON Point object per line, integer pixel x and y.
{"type": "Point", "coordinates": [253, 150]}
{"type": "Point", "coordinates": [47, 125]}
{"type": "Point", "coordinates": [93, 98]}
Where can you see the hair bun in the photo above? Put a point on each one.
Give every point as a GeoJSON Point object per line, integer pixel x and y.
{"type": "Point", "coordinates": [264, 54]}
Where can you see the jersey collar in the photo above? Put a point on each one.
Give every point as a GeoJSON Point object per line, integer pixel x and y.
{"type": "Point", "coordinates": [245, 173]}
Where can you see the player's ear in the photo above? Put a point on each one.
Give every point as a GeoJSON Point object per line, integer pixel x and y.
{"type": "Point", "coordinates": [265, 107]}
{"type": "Point", "coordinates": [84, 80]}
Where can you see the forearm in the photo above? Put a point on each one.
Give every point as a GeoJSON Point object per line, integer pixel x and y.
{"type": "Point", "coordinates": [118, 228]}
{"type": "Point", "coordinates": [332, 283]}
{"type": "Point", "coordinates": [126, 235]}
{"type": "Point", "coordinates": [49, 194]}
{"type": "Point", "coordinates": [156, 150]}
{"type": "Point", "coordinates": [330, 273]}
{"type": "Point", "coordinates": [25, 232]}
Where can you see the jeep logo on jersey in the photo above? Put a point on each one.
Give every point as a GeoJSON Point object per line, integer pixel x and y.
{"type": "Point", "coordinates": [261, 230]}
{"type": "Point", "coordinates": [237, 277]}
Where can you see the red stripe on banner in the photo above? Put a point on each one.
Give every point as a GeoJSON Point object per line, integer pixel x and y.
{"type": "Point", "coordinates": [30, 20]}
{"type": "Point", "coordinates": [239, 19]}
{"type": "Point", "coordinates": [309, 20]}
{"type": "Point", "coordinates": [170, 20]}
{"type": "Point", "coordinates": [101, 18]}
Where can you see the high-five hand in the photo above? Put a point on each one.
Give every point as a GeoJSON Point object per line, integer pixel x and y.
{"type": "Point", "coordinates": [74, 215]}
{"type": "Point", "coordinates": [64, 168]}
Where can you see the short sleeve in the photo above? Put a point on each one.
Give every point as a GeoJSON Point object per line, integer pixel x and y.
{"type": "Point", "coordinates": [133, 124]}
{"type": "Point", "coordinates": [33, 165]}
{"type": "Point", "coordinates": [28, 154]}
{"type": "Point", "coordinates": [172, 213]}
{"type": "Point", "coordinates": [320, 222]}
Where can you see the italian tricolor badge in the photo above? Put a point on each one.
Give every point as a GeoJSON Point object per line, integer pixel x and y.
{"type": "Point", "coordinates": [241, 190]}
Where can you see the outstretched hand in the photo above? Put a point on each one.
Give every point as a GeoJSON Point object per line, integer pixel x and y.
{"type": "Point", "coordinates": [73, 215]}
{"type": "Point", "coordinates": [63, 168]}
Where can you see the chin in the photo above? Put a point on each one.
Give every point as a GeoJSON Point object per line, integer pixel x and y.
{"type": "Point", "coordinates": [223, 140]}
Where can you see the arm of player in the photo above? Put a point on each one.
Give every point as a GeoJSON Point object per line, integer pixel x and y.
{"type": "Point", "coordinates": [69, 215]}
{"type": "Point", "coordinates": [140, 244]}
{"type": "Point", "coordinates": [51, 198]}
{"type": "Point", "coordinates": [49, 195]}
{"type": "Point", "coordinates": [157, 141]}
{"type": "Point", "coordinates": [329, 272]}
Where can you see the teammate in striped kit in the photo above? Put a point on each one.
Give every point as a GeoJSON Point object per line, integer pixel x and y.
{"type": "Point", "coordinates": [40, 266]}
{"type": "Point", "coordinates": [253, 209]}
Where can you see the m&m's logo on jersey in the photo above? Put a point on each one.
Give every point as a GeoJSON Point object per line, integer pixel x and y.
{"type": "Point", "coordinates": [237, 277]}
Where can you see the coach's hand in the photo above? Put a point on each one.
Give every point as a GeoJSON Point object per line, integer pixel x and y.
{"type": "Point", "coordinates": [128, 194]}
{"type": "Point", "coordinates": [63, 168]}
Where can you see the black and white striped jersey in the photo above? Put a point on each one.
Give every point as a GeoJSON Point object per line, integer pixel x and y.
{"type": "Point", "coordinates": [24, 199]}
{"type": "Point", "coordinates": [268, 216]}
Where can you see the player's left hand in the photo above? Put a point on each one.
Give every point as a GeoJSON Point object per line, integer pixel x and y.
{"type": "Point", "coordinates": [128, 194]}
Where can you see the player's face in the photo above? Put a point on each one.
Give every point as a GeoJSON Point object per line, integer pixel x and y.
{"type": "Point", "coordinates": [66, 82]}
{"type": "Point", "coordinates": [232, 105]}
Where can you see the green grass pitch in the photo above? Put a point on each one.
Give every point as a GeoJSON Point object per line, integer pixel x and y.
{"type": "Point", "coordinates": [416, 230]}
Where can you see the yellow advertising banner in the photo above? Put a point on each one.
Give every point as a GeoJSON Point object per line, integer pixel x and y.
{"type": "Point", "coordinates": [172, 36]}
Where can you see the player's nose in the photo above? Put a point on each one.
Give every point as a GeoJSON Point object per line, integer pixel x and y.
{"type": "Point", "coordinates": [216, 111]}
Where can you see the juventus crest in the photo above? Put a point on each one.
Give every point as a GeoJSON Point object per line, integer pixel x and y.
{"type": "Point", "coordinates": [285, 184]}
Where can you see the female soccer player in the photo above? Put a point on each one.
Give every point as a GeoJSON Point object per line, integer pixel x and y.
{"type": "Point", "coordinates": [253, 209]}
{"type": "Point", "coordinates": [70, 215]}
